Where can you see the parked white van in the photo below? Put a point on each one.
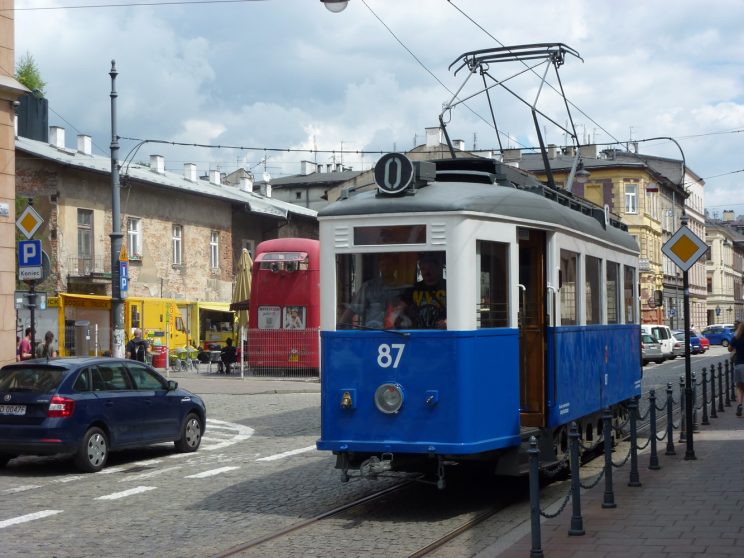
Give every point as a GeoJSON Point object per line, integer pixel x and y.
{"type": "Point", "coordinates": [664, 335]}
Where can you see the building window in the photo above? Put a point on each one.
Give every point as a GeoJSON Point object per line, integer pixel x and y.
{"type": "Point", "coordinates": [177, 245]}
{"type": "Point", "coordinates": [134, 238]}
{"type": "Point", "coordinates": [631, 198]}
{"type": "Point", "coordinates": [214, 250]}
{"type": "Point", "coordinates": [85, 233]}
{"type": "Point", "coordinates": [298, 195]}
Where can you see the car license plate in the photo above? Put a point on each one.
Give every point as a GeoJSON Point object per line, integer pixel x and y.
{"type": "Point", "coordinates": [12, 409]}
{"type": "Point", "coordinates": [294, 357]}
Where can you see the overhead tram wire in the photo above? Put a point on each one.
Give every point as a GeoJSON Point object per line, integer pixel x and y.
{"type": "Point", "coordinates": [479, 26]}
{"type": "Point", "coordinates": [126, 5]}
{"type": "Point", "coordinates": [489, 124]}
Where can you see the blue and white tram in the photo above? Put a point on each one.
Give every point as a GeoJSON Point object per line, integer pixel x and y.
{"type": "Point", "coordinates": [537, 322]}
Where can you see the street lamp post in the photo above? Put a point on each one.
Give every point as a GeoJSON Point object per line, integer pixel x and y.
{"type": "Point", "coordinates": [117, 305]}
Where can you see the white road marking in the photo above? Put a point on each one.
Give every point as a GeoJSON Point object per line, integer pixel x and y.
{"type": "Point", "coordinates": [21, 488]}
{"type": "Point", "coordinates": [211, 473]}
{"type": "Point", "coordinates": [125, 493]}
{"type": "Point", "coordinates": [243, 433]}
{"type": "Point", "coordinates": [149, 474]}
{"type": "Point", "coordinates": [28, 517]}
{"type": "Point", "coordinates": [286, 454]}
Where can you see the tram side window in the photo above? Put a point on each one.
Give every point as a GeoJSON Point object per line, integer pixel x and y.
{"type": "Point", "coordinates": [569, 300]}
{"type": "Point", "coordinates": [370, 287]}
{"type": "Point", "coordinates": [493, 302]}
{"type": "Point", "coordinates": [613, 293]}
{"type": "Point", "coordinates": [593, 271]}
{"type": "Point", "coordinates": [629, 292]}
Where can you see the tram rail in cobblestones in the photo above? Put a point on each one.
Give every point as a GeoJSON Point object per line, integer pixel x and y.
{"type": "Point", "coordinates": [237, 550]}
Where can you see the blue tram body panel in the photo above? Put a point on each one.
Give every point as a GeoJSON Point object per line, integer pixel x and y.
{"type": "Point", "coordinates": [469, 379]}
{"type": "Point", "coordinates": [590, 368]}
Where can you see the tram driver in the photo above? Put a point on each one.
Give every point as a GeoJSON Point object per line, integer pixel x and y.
{"type": "Point", "coordinates": [425, 302]}
{"type": "Point", "coordinates": [377, 304]}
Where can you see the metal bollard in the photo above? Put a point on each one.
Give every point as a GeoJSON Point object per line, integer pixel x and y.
{"type": "Point", "coordinates": [682, 410]}
{"type": "Point", "coordinates": [653, 462]}
{"type": "Point", "coordinates": [609, 495]}
{"type": "Point", "coordinates": [694, 404]}
{"type": "Point", "coordinates": [705, 420]}
{"type": "Point", "coordinates": [720, 389]}
{"type": "Point", "coordinates": [534, 457]}
{"type": "Point", "coordinates": [728, 388]}
{"type": "Point", "coordinates": [577, 522]}
{"type": "Point", "coordinates": [634, 478]}
{"type": "Point", "coordinates": [713, 413]}
{"type": "Point", "coordinates": [670, 421]}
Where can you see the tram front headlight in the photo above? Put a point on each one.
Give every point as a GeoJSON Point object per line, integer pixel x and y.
{"type": "Point", "coordinates": [389, 398]}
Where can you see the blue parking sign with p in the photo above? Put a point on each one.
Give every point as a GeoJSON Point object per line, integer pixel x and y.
{"type": "Point", "coordinates": [29, 253]}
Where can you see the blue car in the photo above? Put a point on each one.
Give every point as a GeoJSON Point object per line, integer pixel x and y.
{"type": "Point", "coordinates": [719, 335]}
{"type": "Point", "coordinates": [88, 407]}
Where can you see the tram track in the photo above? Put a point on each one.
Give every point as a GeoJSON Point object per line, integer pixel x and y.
{"type": "Point", "coordinates": [243, 547]}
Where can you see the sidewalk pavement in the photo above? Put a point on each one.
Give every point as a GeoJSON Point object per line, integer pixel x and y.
{"type": "Point", "coordinates": [232, 384]}
{"type": "Point", "coordinates": [687, 508]}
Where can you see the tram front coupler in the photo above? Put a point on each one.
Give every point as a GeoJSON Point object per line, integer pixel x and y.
{"type": "Point", "coordinates": [376, 466]}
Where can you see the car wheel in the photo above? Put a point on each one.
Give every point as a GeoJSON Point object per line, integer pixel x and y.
{"type": "Point", "coordinates": [93, 452]}
{"type": "Point", "coordinates": [191, 434]}
{"type": "Point", "coordinates": [4, 458]}
{"type": "Point", "coordinates": [724, 343]}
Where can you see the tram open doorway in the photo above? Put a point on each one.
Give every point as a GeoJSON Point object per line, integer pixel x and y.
{"type": "Point", "coordinates": [531, 326]}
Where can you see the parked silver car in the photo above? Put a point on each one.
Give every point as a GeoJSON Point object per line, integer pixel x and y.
{"type": "Point", "coordinates": [651, 349]}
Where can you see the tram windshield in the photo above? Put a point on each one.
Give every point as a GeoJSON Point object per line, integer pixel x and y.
{"type": "Point", "coordinates": [392, 290]}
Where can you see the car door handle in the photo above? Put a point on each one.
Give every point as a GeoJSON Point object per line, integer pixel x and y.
{"type": "Point", "coordinates": [109, 404]}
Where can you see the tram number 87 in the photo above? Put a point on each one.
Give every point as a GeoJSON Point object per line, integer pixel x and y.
{"type": "Point", "coordinates": [385, 354]}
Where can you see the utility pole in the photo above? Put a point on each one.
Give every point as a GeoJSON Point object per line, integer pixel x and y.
{"type": "Point", "coordinates": [117, 304]}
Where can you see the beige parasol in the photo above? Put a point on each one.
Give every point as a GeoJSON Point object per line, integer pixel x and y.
{"type": "Point", "coordinates": [241, 298]}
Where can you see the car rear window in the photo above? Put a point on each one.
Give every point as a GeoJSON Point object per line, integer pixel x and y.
{"type": "Point", "coordinates": [39, 380]}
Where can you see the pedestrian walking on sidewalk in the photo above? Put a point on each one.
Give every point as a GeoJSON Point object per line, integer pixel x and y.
{"type": "Point", "coordinates": [737, 347]}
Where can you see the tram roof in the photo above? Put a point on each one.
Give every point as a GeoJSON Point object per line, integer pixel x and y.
{"type": "Point", "coordinates": [531, 204]}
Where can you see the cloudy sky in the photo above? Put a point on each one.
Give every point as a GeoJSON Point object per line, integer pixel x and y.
{"type": "Point", "coordinates": [289, 74]}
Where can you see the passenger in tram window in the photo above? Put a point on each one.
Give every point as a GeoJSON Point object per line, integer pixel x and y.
{"type": "Point", "coordinates": [737, 347]}
{"type": "Point", "coordinates": [377, 303]}
{"type": "Point", "coordinates": [426, 302]}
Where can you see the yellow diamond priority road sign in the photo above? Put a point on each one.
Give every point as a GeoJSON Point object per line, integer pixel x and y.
{"type": "Point", "coordinates": [684, 248]}
{"type": "Point", "coordinates": [29, 222]}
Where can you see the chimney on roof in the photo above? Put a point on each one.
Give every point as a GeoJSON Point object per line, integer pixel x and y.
{"type": "Point", "coordinates": [308, 167]}
{"type": "Point", "coordinates": [84, 144]}
{"type": "Point", "coordinates": [339, 167]}
{"type": "Point", "coordinates": [57, 137]}
{"type": "Point", "coordinates": [189, 172]}
{"type": "Point", "coordinates": [588, 151]}
{"type": "Point", "coordinates": [728, 215]}
{"type": "Point", "coordinates": [329, 167]}
{"type": "Point", "coordinates": [459, 144]}
{"type": "Point", "coordinates": [512, 157]}
{"type": "Point", "coordinates": [246, 184]}
{"type": "Point", "coordinates": [215, 177]}
{"type": "Point", "coordinates": [157, 164]}
{"type": "Point", "coordinates": [433, 136]}
{"type": "Point", "coordinates": [551, 150]}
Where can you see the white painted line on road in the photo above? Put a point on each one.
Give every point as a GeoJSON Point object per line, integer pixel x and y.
{"type": "Point", "coordinates": [125, 493]}
{"type": "Point", "coordinates": [149, 474]}
{"type": "Point", "coordinates": [286, 454]}
{"type": "Point", "coordinates": [21, 488]}
{"type": "Point", "coordinates": [135, 464]}
{"type": "Point", "coordinates": [240, 434]}
{"type": "Point", "coordinates": [211, 473]}
{"type": "Point", "coordinates": [28, 517]}
{"type": "Point", "coordinates": [68, 479]}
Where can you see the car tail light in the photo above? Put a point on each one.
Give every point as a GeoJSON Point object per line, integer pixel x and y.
{"type": "Point", "coordinates": [61, 407]}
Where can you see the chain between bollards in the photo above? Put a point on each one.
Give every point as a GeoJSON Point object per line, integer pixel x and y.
{"type": "Point", "coordinates": [705, 420]}
{"type": "Point", "coordinates": [720, 389]}
{"type": "Point", "coordinates": [682, 410]}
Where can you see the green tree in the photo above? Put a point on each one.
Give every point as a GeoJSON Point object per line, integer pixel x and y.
{"type": "Point", "coordinates": [27, 73]}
